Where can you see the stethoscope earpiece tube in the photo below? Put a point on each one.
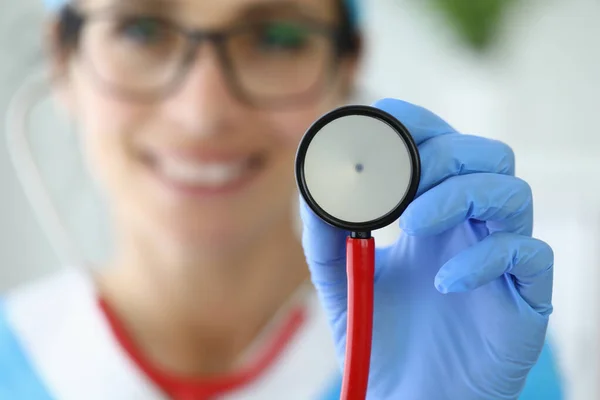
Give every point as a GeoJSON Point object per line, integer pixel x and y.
{"type": "Point", "coordinates": [358, 168]}
{"type": "Point", "coordinates": [36, 88]}
{"type": "Point", "coordinates": [360, 266]}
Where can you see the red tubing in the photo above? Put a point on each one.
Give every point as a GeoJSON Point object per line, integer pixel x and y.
{"type": "Point", "coordinates": [360, 264]}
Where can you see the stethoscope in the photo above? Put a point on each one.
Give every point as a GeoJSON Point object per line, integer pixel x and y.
{"type": "Point", "coordinates": [358, 168]}
{"type": "Point", "coordinates": [34, 90]}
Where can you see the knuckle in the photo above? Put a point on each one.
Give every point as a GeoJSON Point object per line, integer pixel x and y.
{"type": "Point", "coordinates": [545, 251]}
{"type": "Point", "coordinates": [524, 188]}
{"type": "Point", "coordinates": [507, 157]}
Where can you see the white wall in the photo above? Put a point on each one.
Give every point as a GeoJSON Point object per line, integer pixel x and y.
{"type": "Point", "coordinates": [538, 92]}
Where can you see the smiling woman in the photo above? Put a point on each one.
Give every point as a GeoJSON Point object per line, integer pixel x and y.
{"type": "Point", "coordinates": [190, 113]}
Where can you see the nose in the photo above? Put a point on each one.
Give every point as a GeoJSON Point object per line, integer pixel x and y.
{"type": "Point", "coordinates": [204, 104]}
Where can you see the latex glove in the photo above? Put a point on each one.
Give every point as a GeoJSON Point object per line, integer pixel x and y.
{"type": "Point", "coordinates": [462, 299]}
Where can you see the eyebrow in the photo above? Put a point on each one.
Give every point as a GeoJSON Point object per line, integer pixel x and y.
{"type": "Point", "coordinates": [252, 11]}
{"type": "Point", "coordinates": [278, 7]}
{"type": "Point", "coordinates": [154, 6]}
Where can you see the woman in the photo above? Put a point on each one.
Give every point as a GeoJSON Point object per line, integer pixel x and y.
{"type": "Point", "coordinates": [190, 112]}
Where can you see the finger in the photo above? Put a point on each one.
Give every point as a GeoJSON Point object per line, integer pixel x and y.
{"type": "Point", "coordinates": [504, 202]}
{"type": "Point", "coordinates": [450, 155]}
{"type": "Point", "coordinates": [420, 122]}
{"type": "Point", "coordinates": [529, 261]}
{"type": "Point", "coordinates": [325, 250]}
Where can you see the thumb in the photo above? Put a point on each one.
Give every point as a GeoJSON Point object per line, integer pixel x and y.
{"type": "Point", "coordinates": [325, 251]}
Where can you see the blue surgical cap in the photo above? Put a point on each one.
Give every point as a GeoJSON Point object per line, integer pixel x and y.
{"type": "Point", "coordinates": [54, 5]}
{"type": "Point", "coordinates": [353, 7]}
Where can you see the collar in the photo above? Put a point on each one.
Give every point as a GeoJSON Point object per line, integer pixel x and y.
{"type": "Point", "coordinates": [70, 343]}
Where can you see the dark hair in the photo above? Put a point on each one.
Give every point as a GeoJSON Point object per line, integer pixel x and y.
{"type": "Point", "coordinates": [349, 31]}
{"type": "Point", "coordinates": [70, 23]}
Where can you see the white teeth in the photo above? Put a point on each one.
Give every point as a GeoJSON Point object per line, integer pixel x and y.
{"type": "Point", "coordinates": [207, 174]}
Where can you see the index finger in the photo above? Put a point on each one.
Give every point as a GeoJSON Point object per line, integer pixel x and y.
{"type": "Point", "coordinates": [420, 122]}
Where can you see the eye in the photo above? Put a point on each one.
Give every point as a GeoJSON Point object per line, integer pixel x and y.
{"type": "Point", "coordinates": [283, 35]}
{"type": "Point", "coordinates": [143, 30]}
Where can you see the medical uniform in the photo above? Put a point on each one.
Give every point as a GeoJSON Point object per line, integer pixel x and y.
{"type": "Point", "coordinates": [60, 341]}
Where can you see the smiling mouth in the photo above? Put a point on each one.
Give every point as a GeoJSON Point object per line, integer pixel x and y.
{"type": "Point", "coordinates": [198, 177]}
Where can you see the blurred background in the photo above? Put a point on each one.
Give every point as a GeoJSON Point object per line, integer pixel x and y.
{"type": "Point", "coordinates": [522, 71]}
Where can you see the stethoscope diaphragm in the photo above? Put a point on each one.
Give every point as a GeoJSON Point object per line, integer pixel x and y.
{"type": "Point", "coordinates": [358, 168]}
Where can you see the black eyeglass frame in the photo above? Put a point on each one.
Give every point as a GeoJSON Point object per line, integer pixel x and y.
{"type": "Point", "coordinates": [72, 22]}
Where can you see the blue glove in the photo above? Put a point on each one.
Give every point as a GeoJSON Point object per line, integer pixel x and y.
{"type": "Point", "coordinates": [462, 299]}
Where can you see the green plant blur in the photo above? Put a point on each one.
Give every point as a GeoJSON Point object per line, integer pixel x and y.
{"type": "Point", "coordinates": [477, 22]}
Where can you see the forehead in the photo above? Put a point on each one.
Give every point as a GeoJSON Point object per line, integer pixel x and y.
{"type": "Point", "coordinates": [223, 11]}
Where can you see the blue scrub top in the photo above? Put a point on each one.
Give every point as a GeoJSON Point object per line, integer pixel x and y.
{"type": "Point", "coordinates": [19, 381]}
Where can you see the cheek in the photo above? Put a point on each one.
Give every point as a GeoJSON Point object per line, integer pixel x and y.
{"type": "Point", "coordinates": [288, 128]}
{"type": "Point", "coordinates": [106, 128]}
{"type": "Point", "coordinates": [291, 125]}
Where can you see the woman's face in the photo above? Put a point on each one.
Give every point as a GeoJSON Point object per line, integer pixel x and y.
{"type": "Point", "coordinates": [199, 168]}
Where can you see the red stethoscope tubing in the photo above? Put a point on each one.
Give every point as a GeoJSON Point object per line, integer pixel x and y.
{"type": "Point", "coordinates": [360, 265]}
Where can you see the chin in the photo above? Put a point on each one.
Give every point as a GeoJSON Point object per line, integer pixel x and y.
{"type": "Point", "coordinates": [207, 238]}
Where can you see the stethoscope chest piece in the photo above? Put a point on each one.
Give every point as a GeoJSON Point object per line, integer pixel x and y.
{"type": "Point", "coordinates": [358, 168]}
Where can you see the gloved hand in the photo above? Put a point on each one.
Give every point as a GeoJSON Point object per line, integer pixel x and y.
{"type": "Point", "coordinates": [462, 299]}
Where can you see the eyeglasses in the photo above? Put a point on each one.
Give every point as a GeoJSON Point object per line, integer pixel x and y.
{"type": "Point", "coordinates": [269, 63]}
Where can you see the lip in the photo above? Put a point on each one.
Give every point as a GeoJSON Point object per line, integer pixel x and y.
{"type": "Point", "coordinates": [254, 165]}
